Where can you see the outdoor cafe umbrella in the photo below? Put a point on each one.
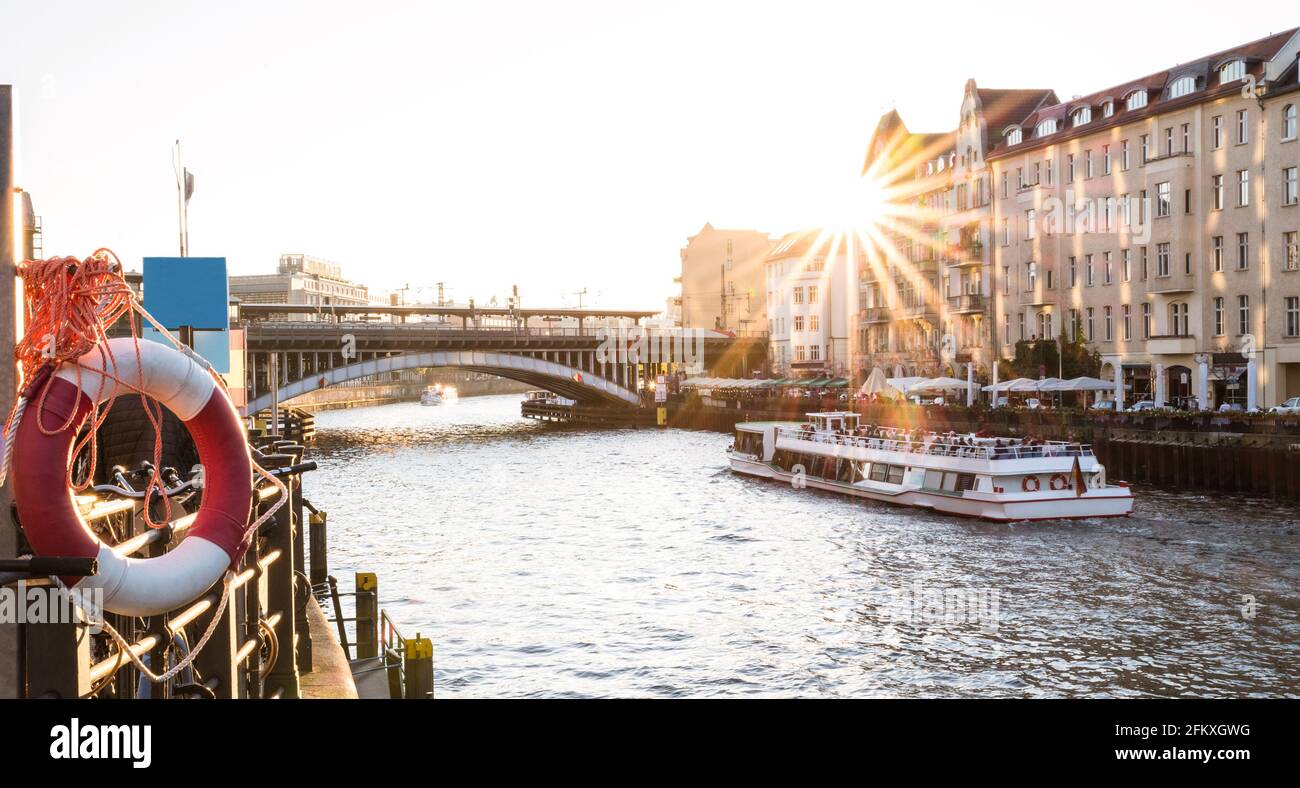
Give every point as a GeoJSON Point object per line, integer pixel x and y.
{"type": "Point", "coordinates": [878, 385]}
{"type": "Point", "coordinates": [937, 384]}
{"type": "Point", "coordinates": [1006, 385]}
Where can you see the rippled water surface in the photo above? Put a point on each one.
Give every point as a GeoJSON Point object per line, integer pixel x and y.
{"type": "Point", "coordinates": [551, 561]}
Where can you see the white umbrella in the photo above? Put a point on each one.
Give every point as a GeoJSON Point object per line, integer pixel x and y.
{"type": "Point", "coordinates": [1006, 385]}
{"type": "Point", "coordinates": [1086, 383]}
{"type": "Point", "coordinates": [877, 384]}
{"type": "Point", "coordinates": [903, 384]}
{"type": "Point", "coordinates": [937, 384]}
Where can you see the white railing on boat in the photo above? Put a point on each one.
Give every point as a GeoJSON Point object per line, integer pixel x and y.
{"type": "Point", "coordinates": [938, 446]}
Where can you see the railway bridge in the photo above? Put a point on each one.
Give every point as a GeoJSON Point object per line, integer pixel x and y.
{"type": "Point", "coordinates": [585, 359]}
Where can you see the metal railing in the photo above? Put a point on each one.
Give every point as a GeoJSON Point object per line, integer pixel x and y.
{"type": "Point", "coordinates": [259, 646]}
{"type": "Point", "coordinates": [890, 439]}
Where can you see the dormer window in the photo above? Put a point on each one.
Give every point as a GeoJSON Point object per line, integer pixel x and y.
{"type": "Point", "coordinates": [1232, 72]}
{"type": "Point", "coordinates": [1046, 127]}
{"type": "Point", "coordinates": [1107, 109]}
{"type": "Point", "coordinates": [1081, 116]}
{"type": "Point", "coordinates": [1182, 87]}
{"type": "Point", "coordinates": [1014, 136]}
{"type": "Point", "coordinates": [1136, 100]}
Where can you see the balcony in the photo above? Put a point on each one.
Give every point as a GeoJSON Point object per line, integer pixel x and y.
{"type": "Point", "coordinates": [917, 312]}
{"type": "Point", "coordinates": [967, 303]}
{"type": "Point", "coordinates": [1037, 296]}
{"type": "Point", "coordinates": [876, 314]}
{"type": "Point", "coordinates": [1171, 344]}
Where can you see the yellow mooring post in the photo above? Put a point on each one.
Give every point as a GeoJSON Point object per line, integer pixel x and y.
{"type": "Point", "coordinates": [367, 615]}
{"type": "Point", "coordinates": [662, 414]}
{"type": "Point", "coordinates": [418, 667]}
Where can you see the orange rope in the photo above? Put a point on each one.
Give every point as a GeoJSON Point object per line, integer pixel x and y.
{"type": "Point", "coordinates": [68, 307]}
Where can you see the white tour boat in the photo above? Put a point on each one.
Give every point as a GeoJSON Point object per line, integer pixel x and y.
{"type": "Point", "coordinates": [541, 397]}
{"type": "Point", "coordinates": [438, 394]}
{"type": "Point", "coordinates": [991, 478]}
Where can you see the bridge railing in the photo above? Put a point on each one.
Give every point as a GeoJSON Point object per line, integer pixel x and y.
{"type": "Point", "coordinates": [257, 327]}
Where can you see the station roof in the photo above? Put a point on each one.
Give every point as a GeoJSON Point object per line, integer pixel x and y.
{"type": "Point", "coordinates": [452, 311]}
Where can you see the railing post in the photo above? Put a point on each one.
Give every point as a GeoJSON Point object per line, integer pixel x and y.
{"type": "Point", "coordinates": [367, 604]}
{"type": "Point", "coordinates": [217, 659]}
{"type": "Point", "coordinates": [417, 659]}
{"type": "Point", "coordinates": [303, 650]}
{"type": "Point", "coordinates": [319, 564]}
{"type": "Point", "coordinates": [281, 584]}
{"type": "Point", "coordinates": [57, 660]}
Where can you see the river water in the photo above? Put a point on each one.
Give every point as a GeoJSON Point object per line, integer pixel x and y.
{"type": "Point", "coordinates": [549, 561]}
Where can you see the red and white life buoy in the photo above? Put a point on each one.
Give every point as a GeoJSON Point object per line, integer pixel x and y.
{"type": "Point", "coordinates": [1030, 484]}
{"type": "Point", "coordinates": [1059, 481]}
{"type": "Point", "coordinates": [48, 511]}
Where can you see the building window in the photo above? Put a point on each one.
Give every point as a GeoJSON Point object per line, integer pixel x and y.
{"type": "Point", "coordinates": [1087, 271]}
{"type": "Point", "coordinates": [1107, 268]}
{"type": "Point", "coordinates": [1006, 232]}
{"type": "Point", "coordinates": [1006, 280]}
{"type": "Point", "coordinates": [1290, 252]}
{"type": "Point", "coordinates": [1136, 100]}
{"type": "Point", "coordinates": [1243, 126]}
{"type": "Point", "coordinates": [1006, 329]}
{"type": "Point", "coordinates": [1218, 316]}
{"type": "Point", "coordinates": [1178, 320]}
{"type": "Point", "coordinates": [1216, 189]}
{"type": "Point", "coordinates": [1106, 313]}
{"type": "Point", "coordinates": [1031, 275]}
{"type": "Point", "coordinates": [1107, 109]}
{"type": "Point", "coordinates": [1126, 264]}
{"type": "Point", "coordinates": [1087, 164]}
{"type": "Point", "coordinates": [1069, 167]}
{"type": "Point", "coordinates": [1030, 225]}
{"type": "Point", "coordinates": [799, 353]}
{"type": "Point", "coordinates": [1293, 316]}
{"type": "Point", "coordinates": [1090, 331]}
{"type": "Point", "coordinates": [1169, 141]}
{"type": "Point", "coordinates": [1144, 264]}
{"type": "Point", "coordinates": [1014, 136]}
{"type": "Point", "coordinates": [1162, 259]}
{"type": "Point", "coordinates": [1127, 315]}
{"type": "Point", "coordinates": [1146, 148]}
{"type": "Point", "coordinates": [1182, 86]}
{"type": "Point", "coordinates": [1105, 159]}
{"type": "Point", "coordinates": [1216, 254]}
{"type": "Point", "coordinates": [1243, 315]}
{"type": "Point", "coordinates": [1232, 72]}
{"type": "Point", "coordinates": [1217, 134]}
{"type": "Point", "coordinates": [1187, 138]}
{"type": "Point", "coordinates": [1074, 272]}
{"type": "Point", "coordinates": [1163, 199]}
{"type": "Point", "coordinates": [1243, 251]}
{"type": "Point", "coordinates": [1146, 320]}
{"type": "Point", "coordinates": [1290, 186]}
{"type": "Point", "coordinates": [1123, 155]}
{"type": "Point", "coordinates": [1082, 115]}
{"type": "Point", "coordinates": [812, 294]}
{"type": "Point", "coordinates": [1289, 122]}
{"type": "Point", "coordinates": [1243, 188]}
{"type": "Point", "coordinates": [1046, 127]}
{"type": "Point", "coordinates": [812, 323]}
{"type": "Point", "coordinates": [798, 322]}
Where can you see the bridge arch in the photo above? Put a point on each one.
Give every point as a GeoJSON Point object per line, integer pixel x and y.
{"type": "Point", "coordinates": [562, 379]}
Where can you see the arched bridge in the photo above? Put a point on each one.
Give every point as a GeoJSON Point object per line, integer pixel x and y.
{"type": "Point", "coordinates": [285, 359]}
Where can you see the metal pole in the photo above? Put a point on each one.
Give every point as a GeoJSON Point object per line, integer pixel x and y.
{"type": "Point", "coordinates": [367, 601]}
{"type": "Point", "coordinates": [9, 641]}
{"type": "Point", "coordinates": [274, 368]}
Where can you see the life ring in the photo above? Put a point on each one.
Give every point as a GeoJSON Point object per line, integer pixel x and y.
{"type": "Point", "coordinates": [1059, 482]}
{"type": "Point", "coordinates": [48, 511]}
{"type": "Point", "coordinates": [1027, 487]}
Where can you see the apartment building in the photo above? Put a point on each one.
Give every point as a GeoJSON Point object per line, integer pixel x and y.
{"type": "Point", "coordinates": [722, 279]}
{"type": "Point", "coordinates": [925, 291]}
{"type": "Point", "coordinates": [1157, 219]}
{"type": "Point", "coordinates": [301, 279]}
{"type": "Point", "coordinates": [811, 303]}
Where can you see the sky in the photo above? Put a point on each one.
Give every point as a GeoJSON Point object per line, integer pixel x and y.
{"type": "Point", "coordinates": [559, 146]}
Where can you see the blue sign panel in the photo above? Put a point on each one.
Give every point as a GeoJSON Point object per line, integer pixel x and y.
{"type": "Point", "coordinates": [194, 292]}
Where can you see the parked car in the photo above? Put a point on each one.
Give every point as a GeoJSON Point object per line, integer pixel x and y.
{"type": "Point", "coordinates": [1290, 406]}
{"type": "Point", "coordinates": [1103, 404]}
{"type": "Point", "coordinates": [1033, 402]}
{"type": "Point", "coordinates": [1138, 407]}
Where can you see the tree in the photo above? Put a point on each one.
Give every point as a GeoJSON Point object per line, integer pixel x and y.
{"type": "Point", "coordinates": [1068, 355]}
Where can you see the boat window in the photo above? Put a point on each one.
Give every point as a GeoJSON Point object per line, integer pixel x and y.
{"type": "Point", "coordinates": [934, 479]}
{"type": "Point", "coordinates": [895, 474]}
{"type": "Point", "coordinates": [879, 471]}
{"type": "Point", "coordinates": [965, 481]}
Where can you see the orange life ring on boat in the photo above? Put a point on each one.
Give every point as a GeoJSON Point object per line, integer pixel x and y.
{"type": "Point", "coordinates": [1064, 482]}
{"type": "Point", "coordinates": [1027, 487]}
{"type": "Point", "coordinates": [50, 518]}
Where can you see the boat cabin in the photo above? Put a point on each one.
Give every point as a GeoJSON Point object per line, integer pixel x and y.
{"type": "Point", "coordinates": [834, 421]}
